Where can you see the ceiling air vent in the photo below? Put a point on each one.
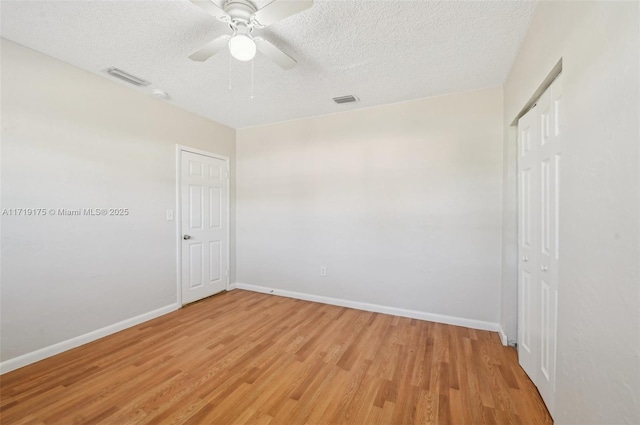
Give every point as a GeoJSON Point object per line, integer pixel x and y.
{"type": "Point", "coordinates": [126, 77]}
{"type": "Point", "coordinates": [345, 99]}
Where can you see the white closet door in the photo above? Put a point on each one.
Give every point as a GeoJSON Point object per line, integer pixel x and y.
{"type": "Point", "coordinates": [539, 133]}
{"type": "Point", "coordinates": [528, 241]}
{"type": "Point", "coordinates": [549, 106]}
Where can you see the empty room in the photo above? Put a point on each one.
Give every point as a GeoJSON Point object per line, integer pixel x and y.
{"type": "Point", "coordinates": [319, 212]}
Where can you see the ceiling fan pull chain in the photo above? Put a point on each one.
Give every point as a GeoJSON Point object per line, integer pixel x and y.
{"type": "Point", "coordinates": [229, 72]}
{"type": "Point", "coordinates": [252, 79]}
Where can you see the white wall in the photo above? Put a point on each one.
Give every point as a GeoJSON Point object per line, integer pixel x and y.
{"type": "Point", "coordinates": [401, 203]}
{"type": "Point", "coordinates": [598, 374]}
{"type": "Point", "coordinates": [71, 139]}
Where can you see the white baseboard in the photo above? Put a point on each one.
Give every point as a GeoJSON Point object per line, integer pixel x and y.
{"type": "Point", "coordinates": [503, 335]}
{"type": "Point", "coordinates": [231, 286]}
{"type": "Point", "coordinates": [394, 311]}
{"type": "Point", "coordinates": [52, 350]}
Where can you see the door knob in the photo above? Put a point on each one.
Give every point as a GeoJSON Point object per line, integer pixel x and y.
{"type": "Point", "coordinates": [544, 268]}
{"type": "Point", "coordinates": [185, 237]}
{"type": "Point", "coordinates": [525, 259]}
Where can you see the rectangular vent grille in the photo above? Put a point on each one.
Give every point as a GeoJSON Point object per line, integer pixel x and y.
{"type": "Point", "coordinates": [345, 99]}
{"type": "Point", "coordinates": [126, 77]}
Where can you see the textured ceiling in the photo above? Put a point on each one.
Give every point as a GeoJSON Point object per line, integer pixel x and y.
{"type": "Point", "coordinates": [380, 51]}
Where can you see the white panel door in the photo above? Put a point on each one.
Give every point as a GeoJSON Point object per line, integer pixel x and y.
{"type": "Point", "coordinates": [204, 223]}
{"type": "Point", "coordinates": [549, 106]}
{"type": "Point", "coordinates": [528, 236]}
{"type": "Point", "coordinates": [539, 133]}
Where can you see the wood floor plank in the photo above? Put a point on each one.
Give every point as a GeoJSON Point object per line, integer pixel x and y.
{"type": "Point", "coordinates": [427, 407]}
{"type": "Point", "coordinates": [250, 358]}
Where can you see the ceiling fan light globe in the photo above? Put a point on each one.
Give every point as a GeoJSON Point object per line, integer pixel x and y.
{"type": "Point", "coordinates": [242, 47]}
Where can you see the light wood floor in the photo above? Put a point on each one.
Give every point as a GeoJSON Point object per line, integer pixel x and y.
{"type": "Point", "coordinates": [244, 357]}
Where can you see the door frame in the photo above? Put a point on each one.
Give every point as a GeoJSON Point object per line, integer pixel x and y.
{"type": "Point", "coordinates": [178, 214]}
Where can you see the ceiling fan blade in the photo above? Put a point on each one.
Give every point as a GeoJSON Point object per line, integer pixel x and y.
{"type": "Point", "coordinates": [210, 7]}
{"type": "Point", "coordinates": [210, 49]}
{"type": "Point", "coordinates": [278, 10]}
{"type": "Point", "coordinates": [272, 52]}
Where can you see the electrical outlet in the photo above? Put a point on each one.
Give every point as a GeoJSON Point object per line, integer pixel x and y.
{"type": "Point", "coordinates": [323, 271]}
{"type": "Point", "coordinates": [169, 215]}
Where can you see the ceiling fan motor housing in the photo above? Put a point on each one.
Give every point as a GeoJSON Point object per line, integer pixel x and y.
{"type": "Point", "coordinates": [240, 11]}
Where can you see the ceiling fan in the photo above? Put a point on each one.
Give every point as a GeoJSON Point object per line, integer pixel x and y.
{"type": "Point", "coordinates": [243, 17]}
